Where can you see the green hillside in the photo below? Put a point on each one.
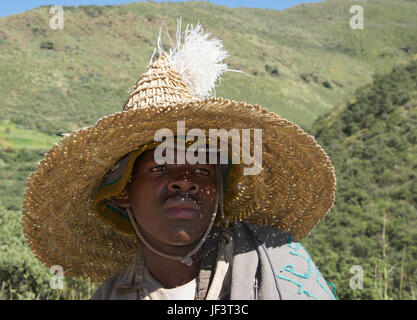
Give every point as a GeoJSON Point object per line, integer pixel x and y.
{"type": "Point", "coordinates": [301, 61]}
{"type": "Point", "coordinates": [304, 63]}
{"type": "Point", "coordinates": [372, 141]}
{"type": "Point", "coordinates": [14, 136]}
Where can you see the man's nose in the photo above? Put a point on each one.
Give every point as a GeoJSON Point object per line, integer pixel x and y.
{"type": "Point", "coordinates": [183, 186]}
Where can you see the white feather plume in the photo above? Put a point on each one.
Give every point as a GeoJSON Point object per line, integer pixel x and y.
{"type": "Point", "coordinates": [198, 59]}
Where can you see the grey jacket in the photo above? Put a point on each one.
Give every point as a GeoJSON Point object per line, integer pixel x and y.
{"type": "Point", "coordinates": [267, 265]}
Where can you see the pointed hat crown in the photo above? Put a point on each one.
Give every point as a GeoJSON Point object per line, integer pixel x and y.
{"type": "Point", "coordinates": [160, 86]}
{"type": "Point", "coordinates": [189, 72]}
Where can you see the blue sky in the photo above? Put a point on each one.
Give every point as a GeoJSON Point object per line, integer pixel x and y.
{"type": "Point", "coordinates": [12, 7]}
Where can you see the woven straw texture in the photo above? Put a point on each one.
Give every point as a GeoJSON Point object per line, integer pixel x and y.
{"type": "Point", "coordinates": [293, 192]}
{"type": "Point", "coordinates": [160, 86]}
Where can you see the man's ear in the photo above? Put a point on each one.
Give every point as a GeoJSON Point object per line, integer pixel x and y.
{"type": "Point", "coordinates": [123, 199]}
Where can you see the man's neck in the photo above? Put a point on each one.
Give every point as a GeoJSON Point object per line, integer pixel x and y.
{"type": "Point", "coordinates": [171, 273]}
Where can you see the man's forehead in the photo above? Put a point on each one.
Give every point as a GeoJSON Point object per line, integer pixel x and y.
{"type": "Point", "coordinates": [175, 155]}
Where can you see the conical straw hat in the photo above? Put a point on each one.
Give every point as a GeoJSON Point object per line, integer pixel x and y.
{"type": "Point", "coordinates": [292, 192]}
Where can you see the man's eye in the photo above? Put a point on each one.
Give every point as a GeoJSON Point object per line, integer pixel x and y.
{"type": "Point", "coordinates": [158, 168]}
{"type": "Point", "coordinates": [202, 171]}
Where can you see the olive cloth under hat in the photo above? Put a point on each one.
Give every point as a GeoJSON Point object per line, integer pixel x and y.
{"type": "Point", "coordinates": [68, 218]}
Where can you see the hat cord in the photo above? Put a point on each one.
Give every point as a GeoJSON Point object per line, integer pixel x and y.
{"type": "Point", "coordinates": [187, 258]}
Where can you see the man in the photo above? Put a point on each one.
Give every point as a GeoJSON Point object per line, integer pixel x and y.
{"type": "Point", "coordinates": [103, 206]}
{"type": "Point", "coordinates": [174, 207]}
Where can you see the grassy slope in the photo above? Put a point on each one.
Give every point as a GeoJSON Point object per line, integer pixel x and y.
{"type": "Point", "coordinates": [102, 51]}
{"type": "Point", "coordinates": [13, 136]}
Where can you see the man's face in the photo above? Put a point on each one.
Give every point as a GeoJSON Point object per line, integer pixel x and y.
{"type": "Point", "coordinates": [173, 203]}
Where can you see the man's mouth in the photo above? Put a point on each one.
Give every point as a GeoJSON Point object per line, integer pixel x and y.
{"type": "Point", "coordinates": [181, 207]}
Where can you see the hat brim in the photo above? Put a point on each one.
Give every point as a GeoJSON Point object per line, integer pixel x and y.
{"type": "Point", "coordinates": [293, 192]}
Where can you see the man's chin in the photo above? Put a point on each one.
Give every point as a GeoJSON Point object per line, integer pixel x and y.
{"type": "Point", "coordinates": [182, 237]}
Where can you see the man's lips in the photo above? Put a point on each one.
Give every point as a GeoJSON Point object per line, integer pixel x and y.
{"type": "Point", "coordinates": [181, 207]}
